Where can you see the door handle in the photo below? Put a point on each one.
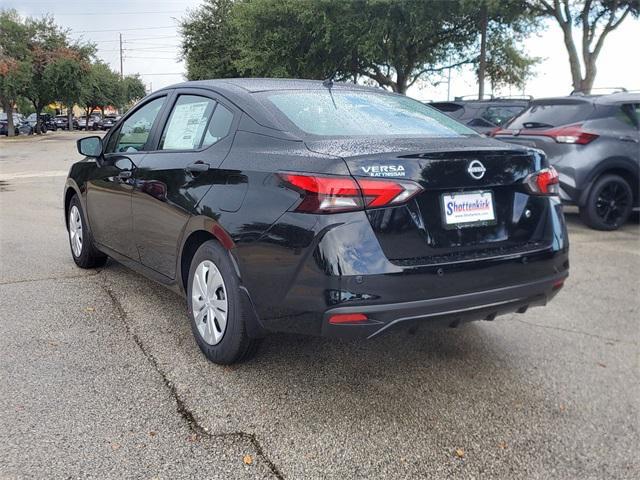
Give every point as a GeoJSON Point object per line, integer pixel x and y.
{"type": "Point", "coordinates": [197, 167]}
{"type": "Point", "coordinates": [628, 139]}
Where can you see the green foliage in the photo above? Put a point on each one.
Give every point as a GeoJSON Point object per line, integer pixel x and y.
{"type": "Point", "coordinates": [393, 43]}
{"type": "Point", "coordinates": [101, 87]}
{"type": "Point", "coordinates": [506, 65]}
{"type": "Point", "coordinates": [132, 89]}
{"type": "Point", "coordinates": [210, 41]}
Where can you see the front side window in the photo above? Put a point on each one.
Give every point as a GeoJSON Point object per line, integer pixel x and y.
{"type": "Point", "coordinates": [187, 124]}
{"type": "Point", "coordinates": [135, 130]}
{"type": "Point", "coordinates": [336, 112]}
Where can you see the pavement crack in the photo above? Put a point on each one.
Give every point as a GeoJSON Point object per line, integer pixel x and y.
{"type": "Point", "coordinates": [183, 410]}
{"type": "Point", "coordinates": [44, 279]}
{"type": "Point", "coordinates": [579, 332]}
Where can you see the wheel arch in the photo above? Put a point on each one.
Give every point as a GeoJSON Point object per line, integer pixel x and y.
{"type": "Point", "coordinates": [621, 166]}
{"type": "Point", "coordinates": [200, 230]}
{"type": "Point", "coordinates": [70, 190]}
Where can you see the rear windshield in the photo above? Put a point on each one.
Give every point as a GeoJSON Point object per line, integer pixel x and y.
{"type": "Point", "coordinates": [552, 115]}
{"type": "Point", "coordinates": [354, 113]}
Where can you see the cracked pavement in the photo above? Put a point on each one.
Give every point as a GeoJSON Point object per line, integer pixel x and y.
{"type": "Point", "coordinates": [101, 377]}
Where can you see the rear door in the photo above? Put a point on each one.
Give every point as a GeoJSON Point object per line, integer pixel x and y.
{"type": "Point", "coordinates": [195, 138]}
{"type": "Point", "coordinates": [110, 187]}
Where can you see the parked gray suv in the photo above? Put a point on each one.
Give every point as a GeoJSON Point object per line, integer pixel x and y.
{"type": "Point", "coordinates": [594, 144]}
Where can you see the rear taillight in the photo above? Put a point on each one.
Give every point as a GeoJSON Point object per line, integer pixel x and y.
{"type": "Point", "coordinates": [329, 193]}
{"type": "Point", "coordinates": [544, 182]}
{"type": "Point", "coordinates": [571, 134]}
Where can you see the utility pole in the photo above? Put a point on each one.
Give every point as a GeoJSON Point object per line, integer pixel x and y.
{"type": "Point", "coordinates": [121, 71]}
{"type": "Point", "coordinates": [484, 20]}
{"type": "Point", "coordinates": [449, 82]}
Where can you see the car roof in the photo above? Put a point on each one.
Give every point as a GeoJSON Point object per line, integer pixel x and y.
{"type": "Point", "coordinates": [240, 92]}
{"type": "Point", "coordinates": [610, 99]}
{"type": "Point", "coordinates": [253, 85]}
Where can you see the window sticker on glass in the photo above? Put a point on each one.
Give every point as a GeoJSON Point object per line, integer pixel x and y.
{"type": "Point", "coordinates": [187, 124]}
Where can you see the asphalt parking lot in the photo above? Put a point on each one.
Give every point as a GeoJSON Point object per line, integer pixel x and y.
{"type": "Point", "coordinates": [101, 377]}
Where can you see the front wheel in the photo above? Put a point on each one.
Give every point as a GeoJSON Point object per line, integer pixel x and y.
{"type": "Point", "coordinates": [609, 203]}
{"type": "Point", "coordinates": [82, 249]}
{"type": "Point", "coordinates": [217, 316]}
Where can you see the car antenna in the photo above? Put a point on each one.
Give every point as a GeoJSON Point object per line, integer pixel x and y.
{"type": "Point", "coordinates": [329, 83]}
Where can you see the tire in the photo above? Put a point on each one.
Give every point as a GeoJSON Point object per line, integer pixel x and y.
{"type": "Point", "coordinates": [83, 251]}
{"type": "Point", "coordinates": [609, 203]}
{"type": "Point", "coordinates": [226, 344]}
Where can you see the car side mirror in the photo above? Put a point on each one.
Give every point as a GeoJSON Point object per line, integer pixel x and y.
{"type": "Point", "coordinates": [90, 146]}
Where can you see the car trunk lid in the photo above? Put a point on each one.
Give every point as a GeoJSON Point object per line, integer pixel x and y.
{"type": "Point", "coordinates": [462, 168]}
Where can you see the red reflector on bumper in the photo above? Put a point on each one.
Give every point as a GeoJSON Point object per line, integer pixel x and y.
{"type": "Point", "coordinates": [558, 285]}
{"type": "Point", "coordinates": [347, 318]}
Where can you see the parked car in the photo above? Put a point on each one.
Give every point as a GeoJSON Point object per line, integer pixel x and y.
{"type": "Point", "coordinates": [62, 122]}
{"type": "Point", "coordinates": [314, 207]}
{"type": "Point", "coordinates": [484, 116]}
{"type": "Point", "coordinates": [20, 125]}
{"type": "Point", "coordinates": [47, 122]}
{"type": "Point", "coordinates": [94, 122]}
{"type": "Point", "coordinates": [109, 121]}
{"type": "Point", "coordinates": [594, 144]}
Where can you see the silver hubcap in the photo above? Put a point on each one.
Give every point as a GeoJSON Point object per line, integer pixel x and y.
{"type": "Point", "coordinates": [75, 230]}
{"type": "Point", "coordinates": [209, 301]}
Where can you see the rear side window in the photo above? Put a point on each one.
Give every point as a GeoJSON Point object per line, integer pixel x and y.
{"type": "Point", "coordinates": [498, 116]}
{"type": "Point", "coordinates": [542, 115]}
{"type": "Point", "coordinates": [628, 114]}
{"type": "Point", "coordinates": [187, 123]}
{"type": "Point", "coordinates": [454, 110]}
{"type": "Point", "coordinates": [135, 130]}
{"type": "Point", "coordinates": [337, 112]}
{"type": "Point", "coordinates": [219, 125]}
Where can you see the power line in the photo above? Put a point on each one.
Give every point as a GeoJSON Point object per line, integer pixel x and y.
{"type": "Point", "coordinates": [115, 13]}
{"type": "Point", "coordinates": [123, 29]}
{"type": "Point", "coordinates": [153, 58]}
{"type": "Point", "coordinates": [135, 39]}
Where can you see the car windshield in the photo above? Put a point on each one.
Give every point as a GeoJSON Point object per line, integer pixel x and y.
{"type": "Point", "coordinates": [547, 115]}
{"type": "Point", "coordinates": [349, 112]}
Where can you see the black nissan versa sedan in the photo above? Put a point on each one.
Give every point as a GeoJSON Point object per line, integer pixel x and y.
{"type": "Point", "coordinates": [318, 208]}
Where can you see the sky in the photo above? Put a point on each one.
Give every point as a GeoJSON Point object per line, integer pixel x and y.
{"type": "Point", "coordinates": [151, 44]}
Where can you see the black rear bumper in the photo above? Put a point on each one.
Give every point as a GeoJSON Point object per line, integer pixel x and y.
{"type": "Point", "coordinates": [449, 311]}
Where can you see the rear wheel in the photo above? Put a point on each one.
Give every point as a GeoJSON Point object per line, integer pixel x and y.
{"type": "Point", "coordinates": [217, 316]}
{"type": "Point", "coordinates": [609, 203]}
{"type": "Point", "coordinates": [82, 249]}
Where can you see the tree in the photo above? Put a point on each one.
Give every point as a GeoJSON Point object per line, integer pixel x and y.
{"type": "Point", "coordinates": [132, 89]}
{"type": "Point", "coordinates": [45, 42]}
{"type": "Point", "coordinates": [67, 73]}
{"type": "Point", "coordinates": [596, 19]}
{"type": "Point", "coordinates": [14, 72]}
{"type": "Point", "coordinates": [506, 65]}
{"type": "Point", "coordinates": [501, 24]}
{"type": "Point", "coordinates": [392, 43]}
{"type": "Point", "coordinates": [209, 41]}
{"type": "Point", "coordinates": [101, 87]}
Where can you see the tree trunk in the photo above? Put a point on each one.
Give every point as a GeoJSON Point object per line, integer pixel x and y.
{"type": "Point", "coordinates": [482, 67]}
{"type": "Point", "coordinates": [70, 118]}
{"type": "Point", "coordinates": [586, 84]}
{"type": "Point", "coordinates": [8, 109]}
{"type": "Point", "coordinates": [38, 113]}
